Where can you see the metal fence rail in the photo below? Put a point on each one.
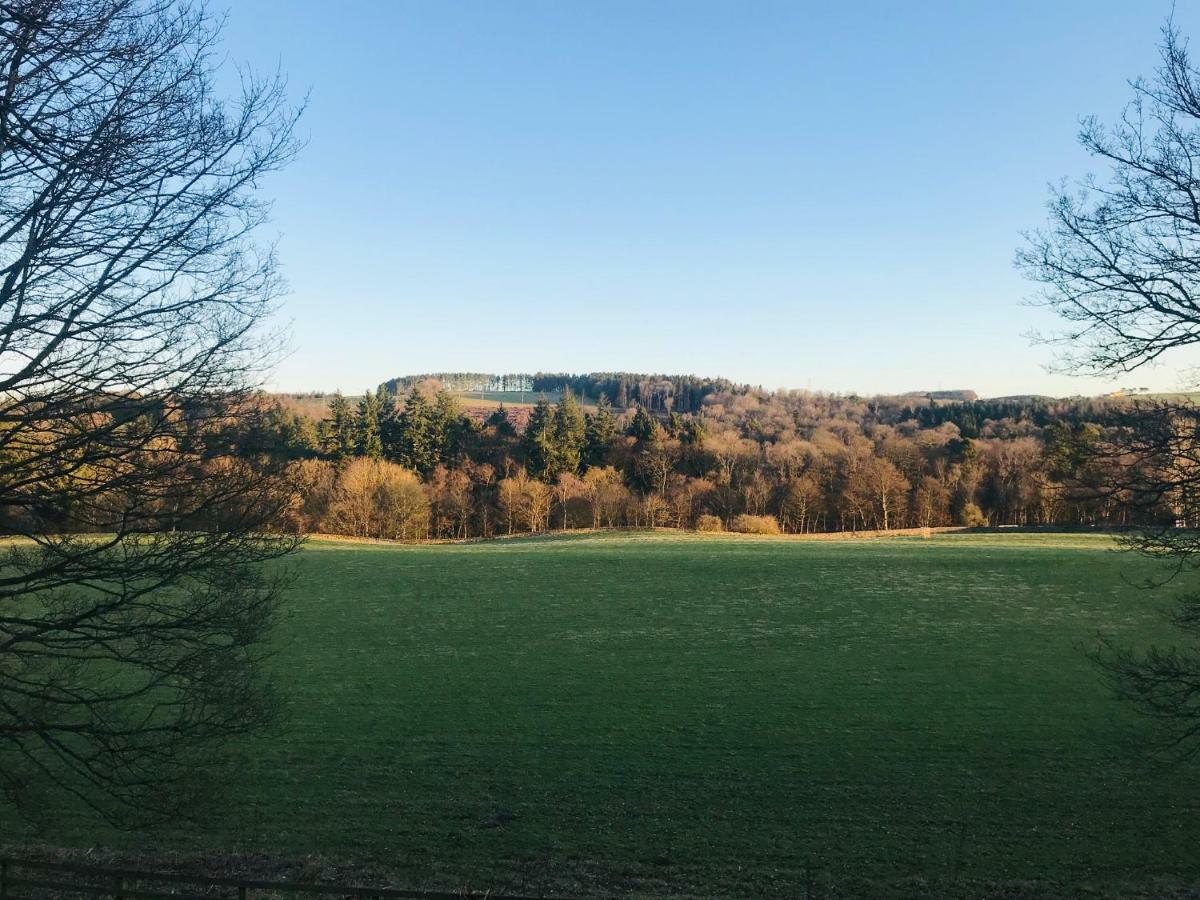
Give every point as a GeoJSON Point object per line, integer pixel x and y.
{"type": "Point", "coordinates": [22, 879]}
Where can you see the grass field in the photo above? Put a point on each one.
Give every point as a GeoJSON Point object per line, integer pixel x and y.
{"type": "Point", "coordinates": [683, 714]}
{"type": "Point", "coordinates": [508, 398]}
{"type": "Point", "coordinates": [514, 399]}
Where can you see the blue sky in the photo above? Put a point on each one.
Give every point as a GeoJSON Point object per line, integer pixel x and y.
{"type": "Point", "coordinates": [790, 194]}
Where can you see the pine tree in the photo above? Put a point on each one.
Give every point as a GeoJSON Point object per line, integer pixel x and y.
{"type": "Point", "coordinates": [641, 426]}
{"type": "Point", "coordinates": [499, 420]}
{"type": "Point", "coordinates": [570, 434]}
{"type": "Point", "coordinates": [300, 437]}
{"type": "Point", "coordinates": [692, 432]}
{"type": "Point", "coordinates": [450, 427]}
{"type": "Point", "coordinates": [420, 440]}
{"type": "Point", "coordinates": [369, 441]}
{"type": "Point", "coordinates": [538, 441]}
{"type": "Point", "coordinates": [339, 439]}
{"type": "Point", "coordinates": [389, 424]}
{"type": "Point", "coordinates": [601, 434]}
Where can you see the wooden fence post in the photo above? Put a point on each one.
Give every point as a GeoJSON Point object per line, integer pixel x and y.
{"type": "Point", "coordinates": [241, 892]}
{"type": "Point", "coordinates": [3, 879]}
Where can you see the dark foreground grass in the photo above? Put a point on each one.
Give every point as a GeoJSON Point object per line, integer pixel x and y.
{"type": "Point", "coordinates": [675, 713]}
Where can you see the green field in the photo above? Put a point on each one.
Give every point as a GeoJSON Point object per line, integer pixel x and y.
{"type": "Point", "coordinates": [509, 398]}
{"type": "Point", "coordinates": [514, 399]}
{"type": "Point", "coordinates": [672, 713]}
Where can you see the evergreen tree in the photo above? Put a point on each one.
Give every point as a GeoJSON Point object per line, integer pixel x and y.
{"type": "Point", "coordinates": [570, 434]}
{"type": "Point", "coordinates": [538, 441]}
{"type": "Point", "coordinates": [340, 437]}
{"type": "Point", "coordinates": [449, 428]}
{"type": "Point", "coordinates": [967, 425]}
{"type": "Point", "coordinates": [641, 426]}
{"type": "Point", "coordinates": [692, 433]}
{"type": "Point", "coordinates": [420, 438]}
{"type": "Point", "coordinates": [298, 437]}
{"type": "Point", "coordinates": [499, 421]}
{"type": "Point", "coordinates": [370, 442]}
{"type": "Point", "coordinates": [600, 434]}
{"type": "Point", "coordinates": [962, 451]}
{"type": "Point", "coordinates": [389, 424]}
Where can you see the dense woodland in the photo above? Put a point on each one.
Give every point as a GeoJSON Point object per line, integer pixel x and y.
{"type": "Point", "coordinates": [414, 465]}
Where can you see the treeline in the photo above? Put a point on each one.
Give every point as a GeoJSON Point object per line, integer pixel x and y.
{"type": "Point", "coordinates": [658, 393]}
{"type": "Point", "coordinates": [464, 381]}
{"type": "Point", "coordinates": [414, 466]}
{"type": "Point", "coordinates": [971, 418]}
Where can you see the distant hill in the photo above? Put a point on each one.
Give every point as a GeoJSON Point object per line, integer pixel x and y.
{"type": "Point", "coordinates": [476, 382]}
{"type": "Point", "coordinates": [963, 395]}
{"type": "Point", "coordinates": [656, 392]}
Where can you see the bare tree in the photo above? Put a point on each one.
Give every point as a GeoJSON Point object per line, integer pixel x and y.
{"type": "Point", "coordinates": [1120, 263]}
{"type": "Point", "coordinates": [1120, 258]}
{"type": "Point", "coordinates": [133, 597]}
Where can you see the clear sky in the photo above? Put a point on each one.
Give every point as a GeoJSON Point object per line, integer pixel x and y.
{"type": "Point", "coordinates": [801, 194]}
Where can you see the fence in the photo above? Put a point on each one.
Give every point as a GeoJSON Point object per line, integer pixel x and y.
{"type": "Point", "coordinates": [27, 880]}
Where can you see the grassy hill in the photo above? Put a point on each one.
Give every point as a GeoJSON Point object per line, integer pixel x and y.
{"type": "Point", "coordinates": [678, 714]}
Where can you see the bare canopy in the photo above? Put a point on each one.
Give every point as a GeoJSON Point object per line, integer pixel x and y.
{"type": "Point", "coordinates": [1120, 263]}
{"type": "Point", "coordinates": [133, 605]}
{"type": "Point", "coordinates": [1120, 258]}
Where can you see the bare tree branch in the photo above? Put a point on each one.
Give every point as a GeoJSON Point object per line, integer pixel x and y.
{"type": "Point", "coordinates": [133, 598]}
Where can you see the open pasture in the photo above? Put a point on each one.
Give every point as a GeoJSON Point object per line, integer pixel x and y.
{"type": "Point", "coordinates": [674, 713]}
{"type": "Point", "coordinates": [513, 399]}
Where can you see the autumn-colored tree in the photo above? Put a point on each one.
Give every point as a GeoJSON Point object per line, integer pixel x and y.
{"type": "Point", "coordinates": [526, 502]}
{"type": "Point", "coordinates": [567, 488]}
{"type": "Point", "coordinates": [815, 462]}
{"type": "Point", "coordinates": [606, 494]}
{"type": "Point", "coordinates": [374, 498]}
{"type": "Point", "coordinates": [452, 503]}
{"type": "Point", "coordinates": [931, 503]}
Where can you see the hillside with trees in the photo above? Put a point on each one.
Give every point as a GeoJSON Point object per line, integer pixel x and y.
{"type": "Point", "coordinates": [413, 465]}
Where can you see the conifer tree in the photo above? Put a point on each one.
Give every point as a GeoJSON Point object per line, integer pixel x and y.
{"type": "Point", "coordinates": [389, 424]}
{"type": "Point", "coordinates": [369, 441]}
{"type": "Point", "coordinates": [340, 439]}
{"type": "Point", "coordinates": [600, 434]}
{"type": "Point", "coordinates": [570, 434]}
{"type": "Point", "coordinates": [692, 432]}
{"type": "Point", "coordinates": [499, 421]}
{"type": "Point", "coordinates": [538, 441]}
{"type": "Point", "coordinates": [450, 428]}
{"type": "Point", "coordinates": [641, 426]}
{"type": "Point", "coordinates": [420, 440]}
{"type": "Point", "coordinates": [299, 437]}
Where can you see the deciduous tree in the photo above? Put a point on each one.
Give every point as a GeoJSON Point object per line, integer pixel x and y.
{"type": "Point", "coordinates": [1120, 262]}
{"type": "Point", "coordinates": [133, 604]}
